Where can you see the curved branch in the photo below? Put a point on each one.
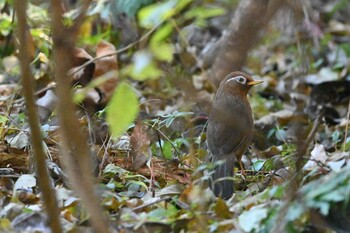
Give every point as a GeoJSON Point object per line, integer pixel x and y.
{"type": "Point", "coordinates": [246, 27]}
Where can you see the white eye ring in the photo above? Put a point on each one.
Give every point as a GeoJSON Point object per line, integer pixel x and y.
{"type": "Point", "coordinates": [240, 79]}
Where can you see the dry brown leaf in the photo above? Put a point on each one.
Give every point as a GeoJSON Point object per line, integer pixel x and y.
{"type": "Point", "coordinates": [27, 198]}
{"type": "Point", "coordinates": [222, 210]}
{"type": "Point", "coordinates": [80, 56]}
{"type": "Point", "coordinates": [140, 143]}
{"type": "Point", "coordinates": [81, 76]}
{"type": "Point", "coordinates": [103, 66]}
{"type": "Point", "coordinates": [46, 105]}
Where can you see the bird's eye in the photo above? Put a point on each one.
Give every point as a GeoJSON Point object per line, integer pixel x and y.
{"type": "Point", "coordinates": [241, 79]}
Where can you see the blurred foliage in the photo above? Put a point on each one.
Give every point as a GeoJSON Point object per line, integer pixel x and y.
{"type": "Point", "coordinates": [120, 113]}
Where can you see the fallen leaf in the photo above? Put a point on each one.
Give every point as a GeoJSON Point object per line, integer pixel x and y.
{"type": "Point", "coordinates": [19, 141]}
{"type": "Point", "coordinates": [222, 210]}
{"type": "Point", "coordinates": [81, 75]}
{"type": "Point", "coordinates": [250, 220]}
{"type": "Point", "coordinates": [46, 105]}
{"type": "Point", "coordinates": [140, 144]}
{"type": "Point", "coordinates": [106, 62]}
{"type": "Point", "coordinates": [318, 154]}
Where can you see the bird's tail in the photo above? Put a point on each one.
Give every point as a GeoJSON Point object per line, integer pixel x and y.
{"type": "Point", "coordinates": [222, 178]}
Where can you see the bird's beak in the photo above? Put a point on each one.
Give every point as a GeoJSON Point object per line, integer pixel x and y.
{"type": "Point", "coordinates": [252, 83]}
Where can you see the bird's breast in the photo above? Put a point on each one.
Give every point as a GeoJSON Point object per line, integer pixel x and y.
{"type": "Point", "coordinates": [232, 106]}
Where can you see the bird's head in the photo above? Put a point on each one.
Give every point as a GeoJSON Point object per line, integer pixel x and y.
{"type": "Point", "coordinates": [238, 83]}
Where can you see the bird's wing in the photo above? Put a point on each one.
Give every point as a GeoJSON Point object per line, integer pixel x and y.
{"type": "Point", "coordinates": [227, 135]}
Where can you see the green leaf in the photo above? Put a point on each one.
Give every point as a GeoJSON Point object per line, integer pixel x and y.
{"type": "Point", "coordinates": [163, 52]}
{"type": "Point", "coordinates": [334, 196]}
{"type": "Point", "coordinates": [5, 24]}
{"type": "Point", "coordinates": [169, 118]}
{"type": "Point", "coordinates": [123, 109]}
{"type": "Point", "coordinates": [111, 170]}
{"type": "Point", "coordinates": [276, 191]}
{"type": "Point", "coordinates": [149, 72]}
{"type": "Point", "coordinates": [323, 207]}
{"type": "Point", "coordinates": [143, 67]}
{"type": "Point", "coordinates": [204, 12]}
{"type": "Point", "coordinates": [129, 7]}
{"type": "Point", "coordinates": [167, 150]}
{"type": "Point", "coordinates": [137, 183]}
{"type": "Point", "coordinates": [258, 164]}
{"type": "Point", "coordinates": [336, 136]}
{"type": "Point", "coordinates": [346, 48]}
{"type": "Point", "coordinates": [162, 33]}
{"type": "Point", "coordinates": [295, 211]}
{"type": "Point", "coordinates": [112, 184]}
{"type": "Point", "coordinates": [270, 133]}
{"type": "Point", "coordinates": [250, 220]}
{"type": "Point", "coordinates": [181, 5]}
{"type": "Point", "coordinates": [178, 142]}
{"type": "Point", "coordinates": [161, 214]}
{"type": "Point", "coordinates": [152, 15]}
{"type": "Point", "coordinates": [281, 135]}
{"type": "Point", "coordinates": [3, 119]}
{"type": "Point", "coordinates": [291, 227]}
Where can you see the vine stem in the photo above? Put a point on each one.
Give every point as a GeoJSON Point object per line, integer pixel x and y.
{"type": "Point", "coordinates": [346, 127]}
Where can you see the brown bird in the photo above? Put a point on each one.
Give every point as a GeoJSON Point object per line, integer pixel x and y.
{"type": "Point", "coordinates": [230, 129]}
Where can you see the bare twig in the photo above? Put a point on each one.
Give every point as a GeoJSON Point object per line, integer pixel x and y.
{"type": "Point", "coordinates": [8, 110]}
{"type": "Point", "coordinates": [77, 158]}
{"type": "Point", "coordinates": [303, 149]}
{"type": "Point", "coordinates": [346, 127]}
{"type": "Point", "coordinates": [294, 181]}
{"type": "Point", "coordinates": [39, 92]}
{"type": "Point", "coordinates": [159, 132]}
{"type": "Point", "coordinates": [145, 36]}
{"type": "Point", "coordinates": [45, 185]}
{"type": "Point", "coordinates": [152, 203]}
{"type": "Point", "coordinates": [105, 157]}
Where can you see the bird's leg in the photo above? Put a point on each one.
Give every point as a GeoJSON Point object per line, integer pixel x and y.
{"type": "Point", "coordinates": [242, 168]}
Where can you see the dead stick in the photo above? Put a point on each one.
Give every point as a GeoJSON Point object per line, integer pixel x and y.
{"type": "Point", "coordinates": [346, 127]}
{"type": "Point", "coordinates": [45, 185]}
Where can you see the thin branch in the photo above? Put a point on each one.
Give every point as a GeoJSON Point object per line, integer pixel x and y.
{"type": "Point", "coordinates": [8, 110]}
{"type": "Point", "coordinates": [77, 158]}
{"type": "Point", "coordinates": [168, 139]}
{"type": "Point", "coordinates": [105, 157]}
{"type": "Point", "coordinates": [152, 203]}
{"type": "Point", "coordinates": [292, 185]}
{"type": "Point", "coordinates": [346, 127]}
{"type": "Point", "coordinates": [303, 149]}
{"type": "Point", "coordinates": [50, 86]}
{"type": "Point", "coordinates": [145, 36]}
{"type": "Point", "coordinates": [45, 185]}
